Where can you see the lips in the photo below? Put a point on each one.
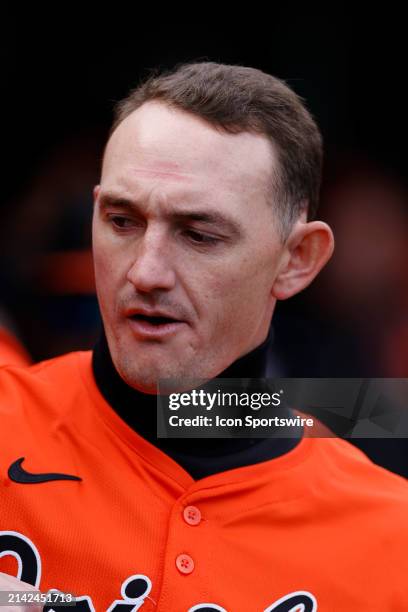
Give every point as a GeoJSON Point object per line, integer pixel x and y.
{"type": "Point", "coordinates": [153, 324]}
{"type": "Point", "coordinates": [154, 319]}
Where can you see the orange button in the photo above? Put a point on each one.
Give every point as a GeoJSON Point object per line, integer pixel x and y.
{"type": "Point", "coordinates": [185, 564]}
{"type": "Point", "coordinates": [192, 515]}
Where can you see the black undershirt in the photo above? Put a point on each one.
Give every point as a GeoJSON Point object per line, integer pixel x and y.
{"type": "Point", "coordinates": [199, 457]}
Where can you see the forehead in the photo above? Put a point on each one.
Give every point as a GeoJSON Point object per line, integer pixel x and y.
{"type": "Point", "coordinates": [161, 146]}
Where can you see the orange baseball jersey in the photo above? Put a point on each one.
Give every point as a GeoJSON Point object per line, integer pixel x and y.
{"type": "Point", "coordinates": [95, 510]}
{"type": "Point", "coordinates": [11, 351]}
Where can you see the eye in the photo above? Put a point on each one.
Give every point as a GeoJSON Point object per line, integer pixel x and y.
{"type": "Point", "coordinates": [120, 222]}
{"type": "Point", "coordinates": [200, 238]}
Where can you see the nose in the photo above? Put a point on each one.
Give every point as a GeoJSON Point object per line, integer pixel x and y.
{"type": "Point", "coordinates": [152, 268]}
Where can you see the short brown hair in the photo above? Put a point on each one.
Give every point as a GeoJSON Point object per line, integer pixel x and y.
{"type": "Point", "coordinates": [241, 99]}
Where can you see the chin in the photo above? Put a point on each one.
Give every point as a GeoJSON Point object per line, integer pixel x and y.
{"type": "Point", "coordinates": [146, 382]}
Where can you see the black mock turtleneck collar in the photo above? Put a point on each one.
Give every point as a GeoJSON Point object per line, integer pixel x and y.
{"type": "Point", "coordinates": [199, 457]}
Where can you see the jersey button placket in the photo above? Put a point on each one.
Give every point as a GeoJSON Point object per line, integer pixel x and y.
{"type": "Point", "coordinates": [184, 564]}
{"type": "Point", "coordinates": [192, 515]}
{"type": "Point", "coordinates": [187, 553]}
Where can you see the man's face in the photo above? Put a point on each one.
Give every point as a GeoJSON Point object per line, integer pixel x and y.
{"type": "Point", "coordinates": [186, 246]}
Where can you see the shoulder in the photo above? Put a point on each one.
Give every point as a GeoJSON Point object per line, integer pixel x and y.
{"type": "Point", "coordinates": [48, 383]}
{"type": "Point", "coordinates": [346, 466]}
{"type": "Point", "coordinates": [11, 351]}
{"type": "Point", "coordinates": [359, 486]}
{"type": "Point", "coordinates": [48, 369]}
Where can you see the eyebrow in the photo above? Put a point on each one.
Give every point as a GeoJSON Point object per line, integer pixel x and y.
{"type": "Point", "coordinates": [210, 217]}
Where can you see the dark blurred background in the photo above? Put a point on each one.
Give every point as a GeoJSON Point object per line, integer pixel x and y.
{"type": "Point", "coordinates": [62, 71]}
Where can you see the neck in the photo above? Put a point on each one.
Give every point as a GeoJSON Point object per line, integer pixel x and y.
{"type": "Point", "coordinates": [138, 410]}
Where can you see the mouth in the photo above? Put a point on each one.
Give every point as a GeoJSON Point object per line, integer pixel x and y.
{"type": "Point", "coordinates": [154, 326]}
{"type": "Point", "coordinates": [153, 319]}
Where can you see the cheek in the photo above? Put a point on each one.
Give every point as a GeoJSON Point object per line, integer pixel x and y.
{"type": "Point", "coordinates": [252, 277]}
{"type": "Point", "coordinates": [106, 278]}
{"type": "Point", "coordinates": [238, 296]}
{"type": "Point", "coordinates": [103, 270]}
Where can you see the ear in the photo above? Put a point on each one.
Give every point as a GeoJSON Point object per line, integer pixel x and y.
{"type": "Point", "coordinates": [307, 249]}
